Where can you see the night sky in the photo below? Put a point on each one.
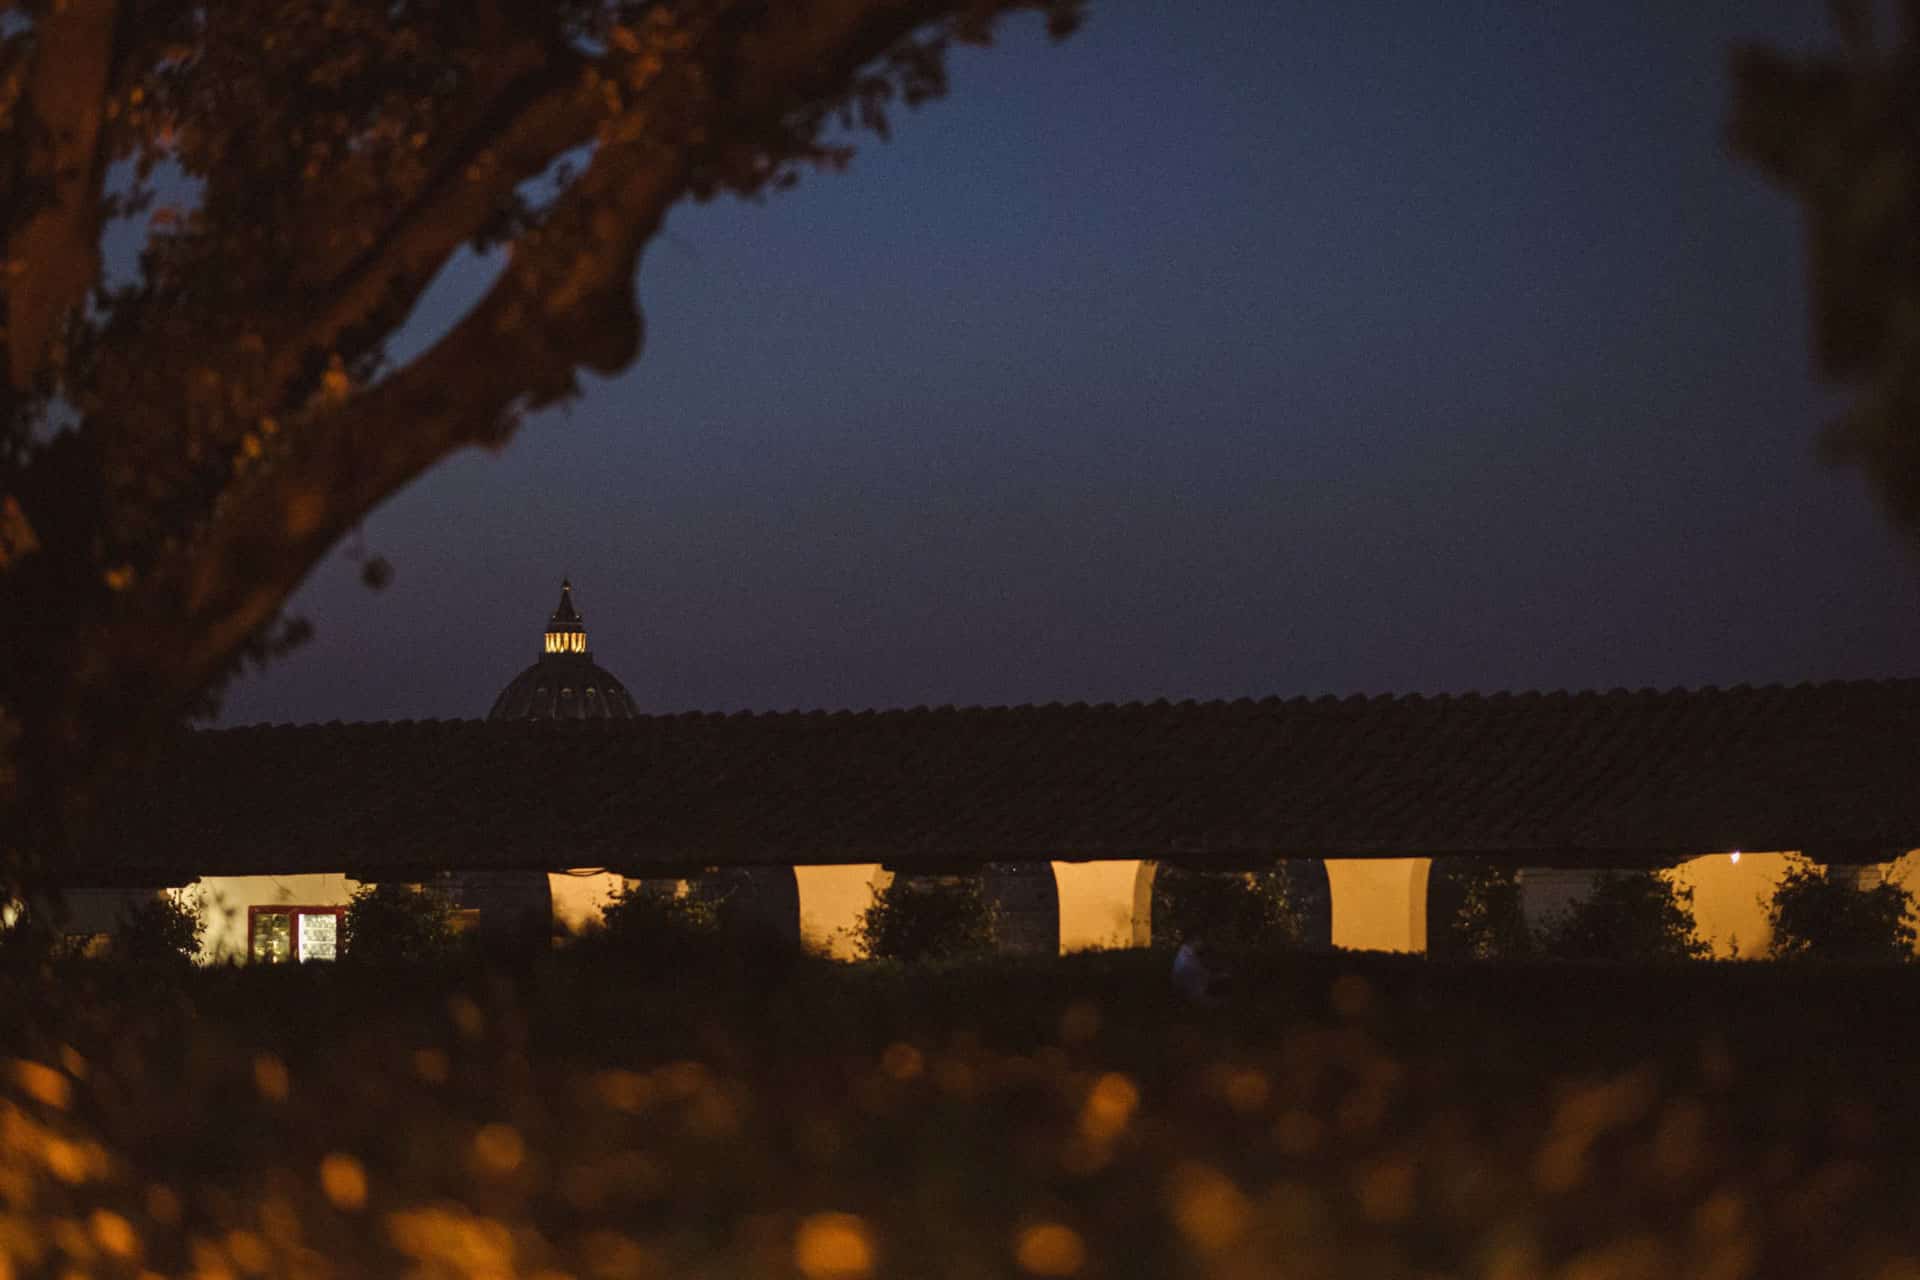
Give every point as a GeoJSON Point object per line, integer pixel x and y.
{"type": "Point", "coordinates": [1321, 348]}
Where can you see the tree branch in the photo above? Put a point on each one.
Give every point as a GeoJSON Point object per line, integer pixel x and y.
{"type": "Point", "coordinates": [54, 255]}
{"type": "Point", "coordinates": [516, 133]}
{"type": "Point", "coordinates": [564, 301]}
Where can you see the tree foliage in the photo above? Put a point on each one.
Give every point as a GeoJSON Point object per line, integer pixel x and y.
{"type": "Point", "coordinates": [1231, 909]}
{"type": "Point", "coordinates": [392, 923]}
{"type": "Point", "coordinates": [917, 918]}
{"type": "Point", "coordinates": [181, 441]}
{"type": "Point", "coordinates": [1490, 924]}
{"type": "Point", "coordinates": [166, 929]}
{"type": "Point", "coordinates": [1836, 129]}
{"type": "Point", "coordinates": [656, 921]}
{"type": "Point", "coordinates": [708, 930]}
{"type": "Point", "coordinates": [1815, 916]}
{"type": "Point", "coordinates": [1635, 916]}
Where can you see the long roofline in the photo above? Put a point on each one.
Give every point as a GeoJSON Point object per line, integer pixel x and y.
{"type": "Point", "coordinates": [1587, 776]}
{"type": "Point", "coordinates": [1265, 700]}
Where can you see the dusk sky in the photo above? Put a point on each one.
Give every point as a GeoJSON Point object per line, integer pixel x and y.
{"type": "Point", "coordinates": [1222, 350]}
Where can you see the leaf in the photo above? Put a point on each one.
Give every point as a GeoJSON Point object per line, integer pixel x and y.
{"type": "Point", "coordinates": [17, 538]}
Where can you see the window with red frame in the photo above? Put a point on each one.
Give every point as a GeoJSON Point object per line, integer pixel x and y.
{"type": "Point", "coordinates": [283, 935]}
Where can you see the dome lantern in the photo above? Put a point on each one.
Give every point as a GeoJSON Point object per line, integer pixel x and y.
{"type": "Point", "coordinates": [565, 683]}
{"type": "Point", "coordinates": [566, 629]}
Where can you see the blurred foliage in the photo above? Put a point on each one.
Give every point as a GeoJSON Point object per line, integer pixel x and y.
{"type": "Point", "coordinates": [1638, 916]}
{"type": "Point", "coordinates": [1836, 128]}
{"type": "Point", "coordinates": [1376, 1117]}
{"type": "Point", "coordinates": [1815, 916]}
{"type": "Point", "coordinates": [28, 939]}
{"type": "Point", "coordinates": [394, 923]}
{"type": "Point", "coordinates": [1232, 909]}
{"type": "Point", "coordinates": [1489, 924]}
{"type": "Point", "coordinates": [165, 929]}
{"type": "Point", "coordinates": [927, 918]}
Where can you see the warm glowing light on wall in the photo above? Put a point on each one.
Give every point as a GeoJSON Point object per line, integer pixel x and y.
{"type": "Point", "coordinates": [566, 642]}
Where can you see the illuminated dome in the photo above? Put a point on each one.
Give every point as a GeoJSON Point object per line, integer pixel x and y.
{"type": "Point", "coordinates": [566, 683]}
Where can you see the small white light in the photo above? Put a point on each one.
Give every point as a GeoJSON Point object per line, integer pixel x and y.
{"type": "Point", "coordinates": [1734, 857]}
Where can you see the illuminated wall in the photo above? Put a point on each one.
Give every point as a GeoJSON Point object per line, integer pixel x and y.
{"type": "Point", "coordinates": [225, 900]}
{"type": "Point", "coordinates": [1730, 897]}
{"type": "Point", "coordinates": [1905, 872]}
{"type": "Point", "coordinates": [581, 897]}
{"type": "Point", "coordinates": [1730, 900]}
{"type": "Point", "coordinates": [831, 900]}
{"type": "Point", "coordinates": [1379, 904]}
{"type": "Point", "coordinates": [1096, 904]}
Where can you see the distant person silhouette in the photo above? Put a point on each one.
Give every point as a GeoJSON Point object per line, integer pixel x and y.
{"type": "Point", "coordinates": [1201, 974]}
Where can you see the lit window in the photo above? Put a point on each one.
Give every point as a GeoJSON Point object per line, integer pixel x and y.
{"type": "Point", "coordinates": [319, 935]}
{"type": "Point", "coordinates": [270, 936]}
{"type": "Point", "coordinates": [278, 935]}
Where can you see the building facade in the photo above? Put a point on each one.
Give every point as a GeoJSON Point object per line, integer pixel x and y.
{"type": "Point", "coordinates": [566, 795]}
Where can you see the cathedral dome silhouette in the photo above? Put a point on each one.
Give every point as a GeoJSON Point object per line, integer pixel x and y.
{"type": "Point", "coordinates": [566, 683]}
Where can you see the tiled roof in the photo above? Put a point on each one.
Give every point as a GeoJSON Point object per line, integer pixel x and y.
{"type": "Point", "coordinates": [1631, 773]}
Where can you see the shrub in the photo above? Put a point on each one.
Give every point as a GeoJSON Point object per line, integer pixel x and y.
{"type": "Point", "coordinates": [927, 918]}
{"type": "Point", "coordinates": [1231, 909]}
{"type": "Point", "coordinates": [27, 939]}
{"type": "Point", "coordinates": [163, 930]}
{"type": "Point", "coordinates": [1489, 924]}
{"type": "Point", "coordinates": [711, 930]}
{"type": "Point", "coordinates": [1817, 917]}
{"type": "Point", "coordinates": [390, 923]}
{"type": "Point", "coordinates": [651, 918]}
{"type": "Point", "coordinates": [1631, 916]}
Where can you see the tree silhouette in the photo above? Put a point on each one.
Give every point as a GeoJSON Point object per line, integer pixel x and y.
{"type": "Point", "coordinates": [1837, 129]}
{"type": "Point", "coordinates": [1631, 916]}
{"type": "Point", "coordinates": [178, 449]}
{"type": "Point", "coordinates": [1816, 916]}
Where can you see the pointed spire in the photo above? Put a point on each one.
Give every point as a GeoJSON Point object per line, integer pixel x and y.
{"type": "Point", "coordinates": [566, 630]}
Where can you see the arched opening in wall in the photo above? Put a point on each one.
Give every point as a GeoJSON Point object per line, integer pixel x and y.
{"type": "Point", "coordinates": [1024, 896]}
{"type": "Point", "coordinates": [1143, 903]}
{"type": "Point", "coordinates": [1290, 903]}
